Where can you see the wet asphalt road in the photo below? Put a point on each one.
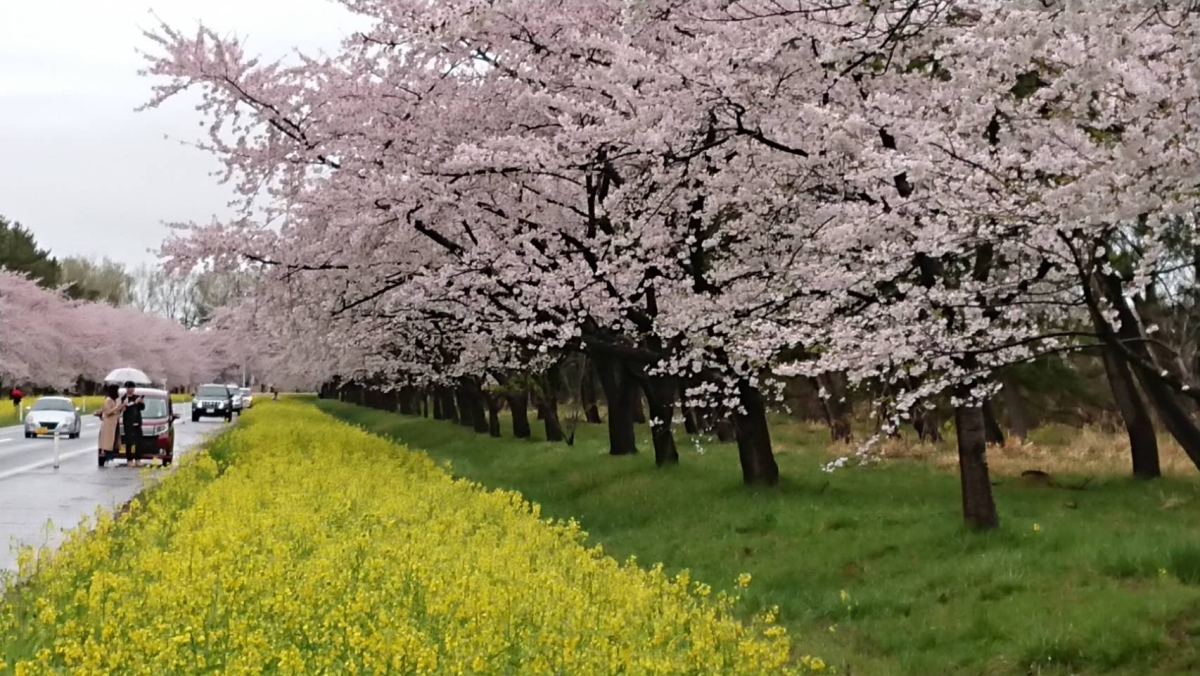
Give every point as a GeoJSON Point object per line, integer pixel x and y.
{"type": "Point", "coordinates": [32, 492]}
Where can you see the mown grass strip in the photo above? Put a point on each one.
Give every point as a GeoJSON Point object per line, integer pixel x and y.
{"type": "Point", "coordinates": [301, 545]}
{"type": "Point", "coordinates": [871, 567]}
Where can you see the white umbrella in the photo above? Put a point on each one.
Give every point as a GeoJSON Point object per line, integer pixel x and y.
{"type": "Point", "coordinates": [124, 375]}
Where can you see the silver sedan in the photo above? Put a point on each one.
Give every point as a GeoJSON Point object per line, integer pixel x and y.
{"type": "Point", "coordinates": [50, 415]}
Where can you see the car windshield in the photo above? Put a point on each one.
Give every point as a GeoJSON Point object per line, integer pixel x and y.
{"type": "Point", "coordinates": [53, 405]}
{"type": "Point", "coordinates": [214, 391]}
{"type": "Point", "coordinates": [245, 391]}
{"type": "Point", "coordinates": [156, 407]}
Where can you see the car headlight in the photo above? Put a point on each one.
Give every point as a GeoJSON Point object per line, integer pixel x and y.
{"type": "Point", "coordinates": [29, 423]}
{"type": "Point", "coordinates": [158, 429]}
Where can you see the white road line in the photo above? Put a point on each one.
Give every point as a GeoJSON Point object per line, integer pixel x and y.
{"type": "Point", "coordinates": [5, 439]}
{"type": "Point", "coordinates": [43, 463]}
{"type": "Point", "coordinates": [42, 442]}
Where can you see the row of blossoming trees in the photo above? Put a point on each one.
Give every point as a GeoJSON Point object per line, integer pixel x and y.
{"type": "Point", "coordinates": [701, 197]}
{"type": "Point", "coordinates": [50, 342]}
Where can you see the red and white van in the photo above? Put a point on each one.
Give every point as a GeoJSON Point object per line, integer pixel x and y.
{"type": "Point", "coordinates": [158, 428]}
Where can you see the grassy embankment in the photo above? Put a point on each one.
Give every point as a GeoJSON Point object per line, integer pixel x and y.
{"type": "Point", "coordinates": [871, 566]}
{"type": "Point", "coordinates": [300, 545]}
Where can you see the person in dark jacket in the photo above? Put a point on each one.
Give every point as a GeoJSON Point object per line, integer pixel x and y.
{"type": "Point", "coordinates": [131, 423]}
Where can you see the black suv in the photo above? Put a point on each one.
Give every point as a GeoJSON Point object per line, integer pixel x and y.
{"type": "Point", "coordinates": [212, 401]}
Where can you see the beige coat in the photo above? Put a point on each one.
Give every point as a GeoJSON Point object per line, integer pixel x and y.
{"type": "Point", "coordinates": [110, 417]}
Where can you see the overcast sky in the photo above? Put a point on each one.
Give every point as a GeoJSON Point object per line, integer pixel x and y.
{"type": "Point", "coordinates": [78, 166]}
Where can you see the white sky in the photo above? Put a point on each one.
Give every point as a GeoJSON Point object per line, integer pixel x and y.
{"type": "Point", "coordinates": [77, 166]}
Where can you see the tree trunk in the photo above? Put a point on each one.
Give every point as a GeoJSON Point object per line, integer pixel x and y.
{"type": "Point", "coordinates": [474, 411]}
{"type": "Point", "coordinates": [725, 430]}
{"type": "Point", "coordinates": [449, 410]}
{"type": "Point", "coordinates": [549, 415]}
{"type": "Point", "coordinates": [1014, 403]}
{"type": "Point", "coordinates": [754, 439]}
{"type": "Point", "coordinates": [979, 508]}
{"type": "Point", "coordinates": [548, 405]}
{"type": "Point", "coordinates": [1143, 443]}
{"type": "Point", "coordinates": [1165, 401]}
{"type": "Point", "coordinates": [837, 405]}
{"type": "Point", "coordinates": [479, 413]}
{"type": "Point", "coordinates": [639, 411]}
{"type": "Point", "coordinates": [587, 393]}
{"type": "Point", "coordinates": [928, 424]}
{"type": "Point", "coordinates": [406, 401]}
{"type": "Point", "coordinates": [1173, 415]}
{"type": "Point", "coordinates": [619, 391]}
{"type": "Point", "coordinates": [883, 415]}
{"type": "Point", "coordinates": [690, 424]}
{"type": "Point", "coordinates": [992, 430]}
{"type": "Point", "coordinates": [438, 414]}
{"type": "Point", "coordinates": [660, 396]}
{"type": "Point", "coordinates": [466, 411]}
{"type": "Point", "coordinates": [1139, 426]}
{"type": "Point", "coordinates": [518, 404]}
{"type": "Point", "coordinates": [493, 408]}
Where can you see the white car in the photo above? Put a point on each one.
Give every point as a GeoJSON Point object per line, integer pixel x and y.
{"type": "Point", "coordinates": [49, 415]}
{"type": "Point", "coordinates": [247, 397]}
{"type": "Point", "coordinates": [235, 393]}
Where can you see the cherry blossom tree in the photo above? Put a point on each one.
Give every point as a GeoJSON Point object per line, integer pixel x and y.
{"type": "Point", "coordinates": [914, 194]}
{"type": "Point", "coordinates": [51, 341]}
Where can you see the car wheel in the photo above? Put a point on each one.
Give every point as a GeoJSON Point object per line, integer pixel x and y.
{"type": "Point", "coordinates": [102, 461]}
{"type": "Point", "coordinates": [73, 436]}
{"type": "Point", "coordinates": [166, 461]}
{"type": "Point", "coordinates": [195, 418]}
{"type": "Point", "coordinates": [30, 435]}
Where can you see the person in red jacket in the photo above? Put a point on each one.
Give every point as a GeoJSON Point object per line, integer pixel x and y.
{"type": "Point", "coordinates": [17, 395]}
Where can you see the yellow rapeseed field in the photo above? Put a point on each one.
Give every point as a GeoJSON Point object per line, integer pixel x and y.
{"type": "Point", "coordinates": [301, 545]}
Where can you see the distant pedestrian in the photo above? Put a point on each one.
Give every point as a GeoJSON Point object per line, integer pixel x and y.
{"type": "Point", "coordinates": [110, 416]}
{"type": "Point", "coordinates": [274, 394]}
{"type": "Point", "coordinates": [131, 421]}
{"type": "Point", "coordinates": [17, 395]}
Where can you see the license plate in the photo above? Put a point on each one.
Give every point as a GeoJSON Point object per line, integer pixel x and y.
{"type": "Point", "coordinates": [42, 430]}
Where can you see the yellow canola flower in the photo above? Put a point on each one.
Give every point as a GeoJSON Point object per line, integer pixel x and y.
{"type": "Point", "coordinates": [300, 545]}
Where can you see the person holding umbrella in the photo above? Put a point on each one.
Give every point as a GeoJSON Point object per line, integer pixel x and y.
{"type": "Point", "coordinates": [131, 420]}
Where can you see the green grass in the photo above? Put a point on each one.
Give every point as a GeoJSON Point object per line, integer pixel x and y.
{"type": "Point", "coordinates": [1109, 583]}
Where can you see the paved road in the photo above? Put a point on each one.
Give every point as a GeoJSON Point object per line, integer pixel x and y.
{"type": "Point", "coordinates": [32, 491]}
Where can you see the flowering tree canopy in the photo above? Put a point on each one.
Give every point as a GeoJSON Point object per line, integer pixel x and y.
{"type": "Point", "coordinates": [702, 196]}
{"type": "Point", "coordinates": [51, 341]}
